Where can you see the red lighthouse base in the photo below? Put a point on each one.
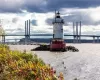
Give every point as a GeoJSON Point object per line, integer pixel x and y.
{"type": "Point", "coordinates": [57, 45]}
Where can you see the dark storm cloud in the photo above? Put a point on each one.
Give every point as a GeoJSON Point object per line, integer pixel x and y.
{"type": "Point", "coordinates": [36, 6]}
{"type": "Point", "coordinates": [44, 5]}
{"type": "Point", "coordinates": [77, 17]}
{"type": "Point", "coordinates": [58, 4]}
{"type": "Point", "coordinates": [11, 6]}
{"type": "Point", "coordinates": [14, 6]}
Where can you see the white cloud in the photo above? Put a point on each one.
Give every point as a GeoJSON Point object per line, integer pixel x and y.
{"type": "Point", "coordinates": [93, 13]}
{"type": "Point", "coordinates": [8, 25]}
{"type": "Point", "coordinates": [42, 26]}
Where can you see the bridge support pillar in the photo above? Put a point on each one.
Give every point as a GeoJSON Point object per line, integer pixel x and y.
{"type": "Point", "coordinates": [16, 41]}
{"type": "Point", "coordinates": [27, 39]}
{"type": "Point", "coordinates": [93, 39]}
{"type": "Point", "coordinates": [79, 39]}
{"type": "Point", "coordinates": [97, 39]}
{"type": "Point", "coordinates": [27, 32]}
{"type": "Point", "coordinates": [24, 41]}
{"type": "Point", "coordinates": [74, 39]}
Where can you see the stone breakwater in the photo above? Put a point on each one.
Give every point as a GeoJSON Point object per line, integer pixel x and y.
{"type": "Point", "coordinates": [47, 48]}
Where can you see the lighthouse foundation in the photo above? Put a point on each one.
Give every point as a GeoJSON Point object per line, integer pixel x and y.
{"type": "Point", "coordinates": [57, 45]}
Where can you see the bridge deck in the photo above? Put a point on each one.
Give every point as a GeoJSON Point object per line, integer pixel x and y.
{"type": "Point", "coordinates": [52, 35]}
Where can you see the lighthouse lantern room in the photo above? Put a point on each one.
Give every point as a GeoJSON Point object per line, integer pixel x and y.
{"type": "Point", "coordinates": [57, 43]}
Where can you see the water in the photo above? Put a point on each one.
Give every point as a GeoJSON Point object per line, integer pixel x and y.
{"type": "Point", "coordinates": [83, 65]}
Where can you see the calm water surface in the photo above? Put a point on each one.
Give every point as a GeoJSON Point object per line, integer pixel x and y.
{"type": "Point", "coordinates": [83, 65]}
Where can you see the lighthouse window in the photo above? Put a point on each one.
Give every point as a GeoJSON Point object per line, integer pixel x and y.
{"type": "Point", "coordinates": [58, 17]}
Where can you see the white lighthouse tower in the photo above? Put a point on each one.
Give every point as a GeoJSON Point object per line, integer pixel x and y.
{"type": "Point", "coordinates": [58, 26]}
{"type": "Point", "coordinates": [57, 43]}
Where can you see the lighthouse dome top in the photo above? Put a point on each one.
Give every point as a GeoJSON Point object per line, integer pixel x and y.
{"type": "Point", "coordinates": [58, 15]}
{"type": "Point", "coordinates": [57, 18]}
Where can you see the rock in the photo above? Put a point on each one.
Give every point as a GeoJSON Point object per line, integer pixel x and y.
{"type": "Point", "coordinates": [47, 48]}
{"type": "Point", "coordinates": [41, 48]}
{"type": "Point", "coordinates": [71, 48]}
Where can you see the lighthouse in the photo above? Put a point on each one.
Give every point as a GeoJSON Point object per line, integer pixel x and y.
{"type": "Point", "coordinates": [57, 43]}
{"type": "Point", "coordinates": [58, 26]}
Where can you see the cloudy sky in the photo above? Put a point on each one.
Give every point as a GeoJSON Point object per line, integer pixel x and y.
{"type": "Point", "coordinates": [13, 13]}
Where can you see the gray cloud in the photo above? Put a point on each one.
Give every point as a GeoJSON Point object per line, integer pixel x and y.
{"type": "Point", "coordinates": [11, 6]}
{"type": "Point", "coordinates": [57, 4]}
{"type": "Point", "coordinates": [49, 21]}
{"type": "Point", "coordinates": [11, 30]}
{"type": "Point", "coordinates": [35, 5]}
{"type": "Point", "coordinates": [19, 29]}
{"type": "Point", "coordinates": [76, 17]}
{"type": "Point", "coordinates": [44, 5]}
{"type": "Point", "coordinates": [14, 20]}
{"type": "Point", "coordinates": [14, 6]}
{"type": "Point", "coordinates": [81, 16]}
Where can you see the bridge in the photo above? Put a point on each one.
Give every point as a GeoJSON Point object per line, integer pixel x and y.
{"type": "Point", "coordinates": [76, 38]}
{"type": "Point", "coordinates": [52, 35]}
{"type": "Point", "coordinates": [77, 35]}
